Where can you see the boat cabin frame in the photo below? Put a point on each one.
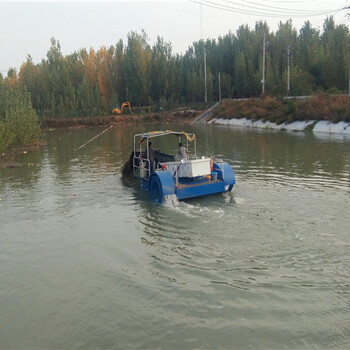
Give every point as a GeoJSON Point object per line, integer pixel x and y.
{"type": "Point", "coordinates": [141, 161]}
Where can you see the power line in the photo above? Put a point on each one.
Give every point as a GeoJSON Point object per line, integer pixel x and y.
{"type": "Point", "coordinates": [262, 10]}
{"type": "Point", "coordinates": [317, 23]}
{"type": "Point", "coordinates": [276, 9]}
{"type": "Point", "coordinates": [289, 1]}
{"type": "Point", "coordinates": [344, 20]}
{"type": "Point", "coordinates": [258, 11]}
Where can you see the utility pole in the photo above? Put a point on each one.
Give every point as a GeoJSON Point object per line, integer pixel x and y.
{"type": "Point", "coordinates": [349, 71]}
{"type": "Point", "coordinates": [205, 76]}
{"type": "Point", "coordinates": [205, 62]}
{"type": "Point", "coordinates": [201, 22]}
{"type": "Point", "coordinates": [288, 72]}
{"type": "Point", "coordinates": [263, 68]}
{"type": "Point", "coordinates": [219, 87]}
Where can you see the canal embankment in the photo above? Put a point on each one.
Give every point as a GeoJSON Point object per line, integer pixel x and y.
{"type": "Point", "coordinates": [313, 125]}
{"type": "Point", "coordinates": [322, 113]}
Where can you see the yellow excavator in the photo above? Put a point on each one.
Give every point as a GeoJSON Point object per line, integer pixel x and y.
{"type": "Point", "coordinates": [120, 111]}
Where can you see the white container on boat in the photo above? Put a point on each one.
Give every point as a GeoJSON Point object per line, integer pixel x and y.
{"type": "Point", "coordinates": [190, 168]}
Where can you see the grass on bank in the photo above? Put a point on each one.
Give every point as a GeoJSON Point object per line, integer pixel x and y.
{"type": "Point", "coordinates": [267, 108]}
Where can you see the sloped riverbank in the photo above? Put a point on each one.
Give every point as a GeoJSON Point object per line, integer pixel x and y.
{"type": "Point", "coordinates": [322, 126]}
{"type": "Point", "coordinates": [321, 113]}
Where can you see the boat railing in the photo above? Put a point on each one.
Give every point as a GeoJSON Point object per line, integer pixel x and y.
{"type": "Point", "coordinates": [143, 166]}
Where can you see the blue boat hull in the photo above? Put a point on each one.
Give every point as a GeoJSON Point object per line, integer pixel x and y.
{"type": "Point", "coordinates": [162, 184]}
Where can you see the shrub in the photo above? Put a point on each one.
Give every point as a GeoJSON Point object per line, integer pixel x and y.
{"type": "Point", "coordinates": [20, 124]}
{"type": "Point", "coordinates": [6, 137]}
{"type": "Point", "coordinates": [290, 108]}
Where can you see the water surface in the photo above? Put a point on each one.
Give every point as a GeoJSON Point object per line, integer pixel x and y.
{"type": "Point", "coordinates": [87, 261]}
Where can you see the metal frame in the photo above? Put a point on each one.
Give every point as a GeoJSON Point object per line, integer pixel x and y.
{"type": "Point", "coordinates": [149, 135]}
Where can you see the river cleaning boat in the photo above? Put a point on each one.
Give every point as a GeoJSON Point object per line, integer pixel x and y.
{"type": "Point", "coordinates": [186, 177]}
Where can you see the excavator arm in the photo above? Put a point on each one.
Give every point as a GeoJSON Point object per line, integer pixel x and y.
{"type": "Point", "coordinates": [120, 111]}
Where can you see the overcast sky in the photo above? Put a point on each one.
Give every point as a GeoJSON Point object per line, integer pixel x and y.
{"type": "Point", "coordinates": [26, 27]}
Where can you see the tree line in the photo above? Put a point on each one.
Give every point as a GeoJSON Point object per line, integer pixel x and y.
{"type": "Point", "coordinates": [90, 83]}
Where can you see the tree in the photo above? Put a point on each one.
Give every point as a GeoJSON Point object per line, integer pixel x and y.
{"type": "Point", "coordinates": [240, 76]}
{"type": "Point", "coordinates": [18, 120]}
{"type": "Point", "coordinates": [175, 77]}
{"type": "Point", "coordinates": [12, 78]}
{"type": "Point", "coordinates": [137, 68]}
{"type": "Point", "coordinates": [161, 53]}
{"type": "Point", "coordinates": [226, 85]}
{"type": "Point", "coordinates": [335, 41]}
{"type": "Point", "coordinates": [309, 55]}
{"type": "Point", "coordinates": [117, 74]}
{"type": "Point", "coordinates": [104, 77]}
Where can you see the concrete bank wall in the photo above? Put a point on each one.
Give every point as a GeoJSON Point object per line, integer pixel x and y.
{"type": "Point", "coordinates": [322, 126]}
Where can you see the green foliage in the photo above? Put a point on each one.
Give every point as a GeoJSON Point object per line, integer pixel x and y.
{"type": "Point", "coordinates": [290, 107]}
{"type": "Point", "coordinates": [18, 120]}
{"type": "Point", "coordinates": [7, 136]}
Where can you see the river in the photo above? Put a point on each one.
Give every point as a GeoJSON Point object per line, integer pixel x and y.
{"type": "Point", "coordinates": [87, 261]}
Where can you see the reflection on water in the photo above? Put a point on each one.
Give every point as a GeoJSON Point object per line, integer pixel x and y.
{"type": "Point", "coordinates": [88, 261]}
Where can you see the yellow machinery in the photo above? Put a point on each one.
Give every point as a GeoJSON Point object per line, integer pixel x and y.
{"type": "Point", "coordinates": [120, 111]}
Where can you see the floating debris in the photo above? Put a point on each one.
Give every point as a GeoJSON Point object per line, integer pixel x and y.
{"type": "Point", "coordinates": [10, 165]}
